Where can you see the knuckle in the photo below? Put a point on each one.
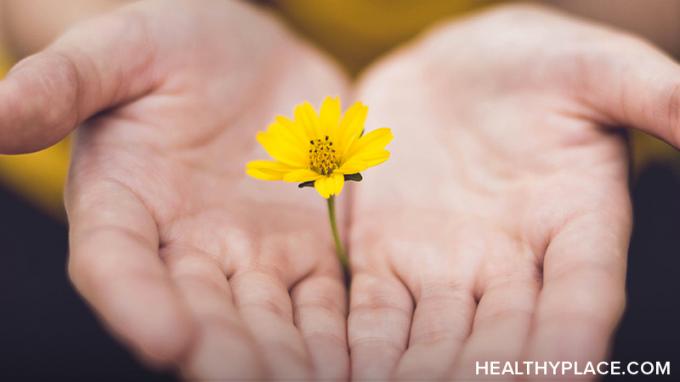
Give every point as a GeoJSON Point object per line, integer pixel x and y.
{"type": "Point", "coordinates": [263, 292]}
{"type": "Point", "coordinates": [323, 295]}
{"type": "Point", "coordinates": [376, 292]}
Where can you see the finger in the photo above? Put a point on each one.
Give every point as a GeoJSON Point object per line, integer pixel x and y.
{"type": "Point", "coordinates": [114, 264]}
{"type": "Point", "coordinates": [320, 308]}
{"type": "Point", "coordinates": [503, 316]}
{"type": "Point", "coordinates": [98, 64]}
{"type": "Point", "coordinates": [223, 348]}
{"type": "Point", "coordinates": [379, 320]}
{"type": "Point", "coordinates": [441, 323]}
{"type": "Point", "coordinates": [633, 84]}
{"type": "Point", "coordinates": [583, 292]}
{"type": "Point", "coordinates": [266, 308]}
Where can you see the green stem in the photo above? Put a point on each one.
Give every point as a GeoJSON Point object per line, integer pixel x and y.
{"type": "Point", "coordinates": [339, 248]}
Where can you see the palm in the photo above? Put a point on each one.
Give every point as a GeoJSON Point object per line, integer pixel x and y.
{"type": "Point", "coordinates": [498, 231]}
{"type": "Point", "coordinates": [504, 234]}
{"type": "Point", "coordinates": [248, 285]}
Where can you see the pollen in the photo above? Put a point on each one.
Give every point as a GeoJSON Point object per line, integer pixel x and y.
{"type": "Point", "coordinates": [322, 156]}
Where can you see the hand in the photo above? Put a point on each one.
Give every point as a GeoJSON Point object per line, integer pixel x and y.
{"type": "Point", "coordinates": [499, 229]}
{"type": "Point", "coordinates": [189, 262]}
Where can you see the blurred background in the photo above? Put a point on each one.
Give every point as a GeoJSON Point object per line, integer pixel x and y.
{"type": "Point", "coordinates": [47, 332]}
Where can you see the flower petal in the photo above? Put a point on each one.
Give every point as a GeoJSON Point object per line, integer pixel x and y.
{"type": "Point", "coordinates": [373, 141]}
{"type": "Point", "coordinates": [361, 163]}
{"type": "Point", "coordinates": [338, 180]}
{"type": "Point", "coordinates": [329, 116]}
{"type": "Point", "coordinates": [281, 148]}
{"type": "Point", "coordinates": [321, 186]}
{"type": "Point", "coordinates": [267, 170]}
{"type": "Point", "coordinates": [301, 175]}
{"type": "Point", "coordinates": [351, 126]}
{"type": "Point", "coordinates": [306, 116]}
{"type": "Point", "coordinates": [292, 129]}
{"type": "Point", "coordinates": [330, 185]}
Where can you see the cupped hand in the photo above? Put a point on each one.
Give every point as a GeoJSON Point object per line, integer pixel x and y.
{"type": "Point", "coordinates": [499, 229]}
{"type": "Point", "coordinates": [188, 261]}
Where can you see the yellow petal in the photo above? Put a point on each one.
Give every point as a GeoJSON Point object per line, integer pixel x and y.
{"type": "Point", "coordinates": [374, 141]}
{"type": "Point", "coordinates": [301, 175]}
{"type": "Point", "coordinates": [322, 188]}
{"type": "Point", "coordinates": [338, 181]}
{"type": "Point", "coordinates": [329, 116]}
{"type": "Point", "coordinates": [282, 149]}
{"type": "Point", "coordinates": [359, 164]}
{"type": "Point", "coordinates": [351, 126]}
{"type": "Point", "coordinates": [267, 170]}
{"type": "Point", "coordinates": [330, 185]}
{"type": "Point", "coordinates": [306, 116]}
{"type": "Point", "coordinates": [293, 130]}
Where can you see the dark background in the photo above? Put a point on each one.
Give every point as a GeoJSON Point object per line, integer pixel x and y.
{"type": "Point", "coordinates": [48, 333]}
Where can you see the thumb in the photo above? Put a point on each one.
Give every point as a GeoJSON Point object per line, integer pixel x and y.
{"type": "Point", "coordinates": [637, 86]}
{"type": "Point", "coordinates": [96, 65]}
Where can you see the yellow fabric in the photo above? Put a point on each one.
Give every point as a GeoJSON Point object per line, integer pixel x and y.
{"type": "Point", "coordinates": [647, 149]}
{"type": "Point", "coordinates": [39, 176]}
{"type": "Point", "coordinates": [358, 31]}
{"type": "Point", "coordinates": [354, 31]}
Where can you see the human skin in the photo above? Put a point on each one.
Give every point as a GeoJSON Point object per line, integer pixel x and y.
{"type": "Point", "coordinates": [504, 206]}
{"type": "Point", "coordinates": [190, 263]}
{"type": "Point", "coordinates": [31, 25]}
{"type": "Point", "coordinates": [499, 229]}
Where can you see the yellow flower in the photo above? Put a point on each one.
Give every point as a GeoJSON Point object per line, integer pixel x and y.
{"type": "Point", "coordinates": [324, 148]}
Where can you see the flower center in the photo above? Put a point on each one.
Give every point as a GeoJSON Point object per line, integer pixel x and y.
{"type": "Point", "coordinates": [322, 157]}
